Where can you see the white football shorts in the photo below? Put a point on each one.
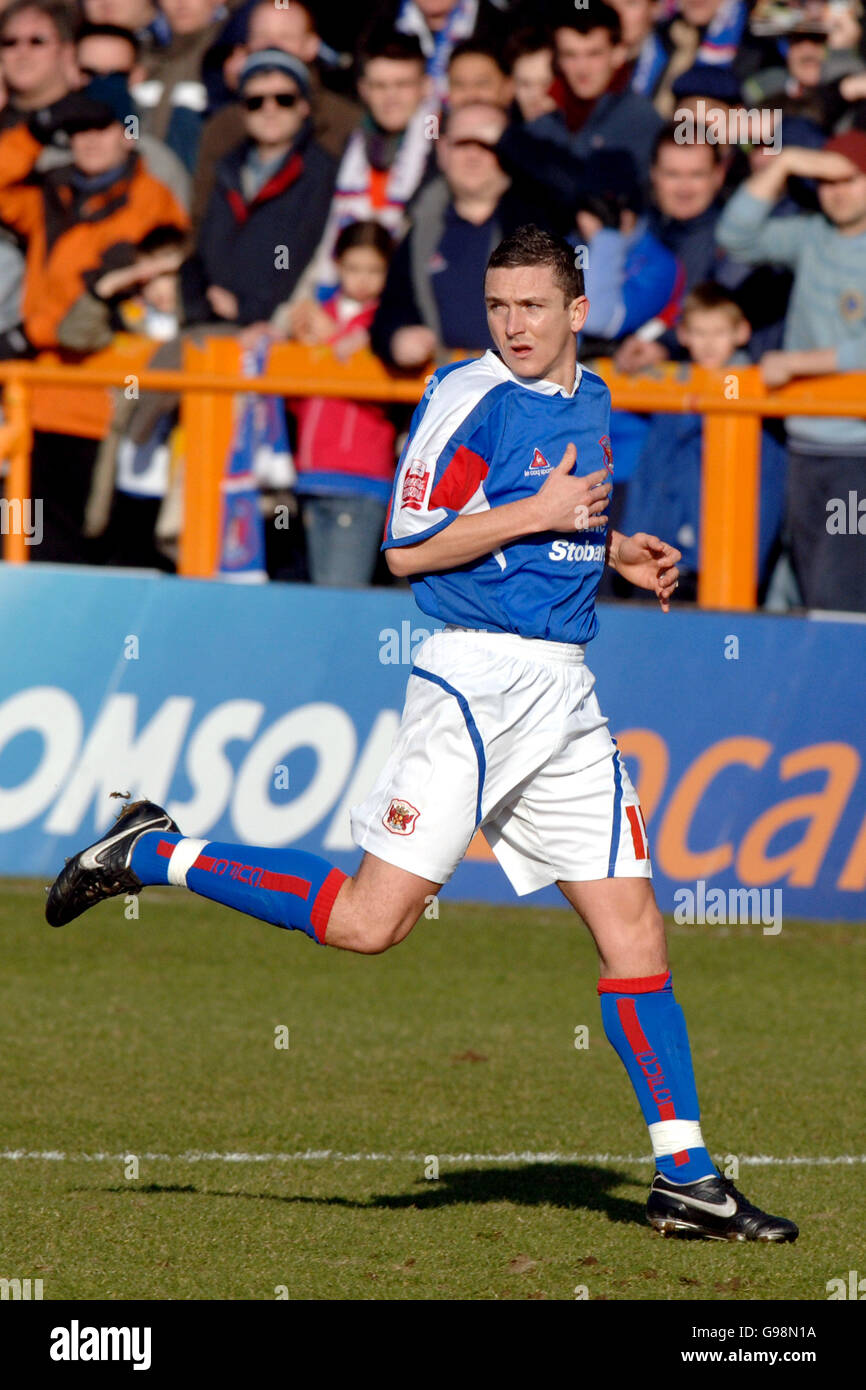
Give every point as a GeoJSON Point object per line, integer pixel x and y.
{"type": "Point", "coordinates": [504, 732]}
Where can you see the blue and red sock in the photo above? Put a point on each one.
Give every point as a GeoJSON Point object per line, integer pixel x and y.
{"type": "Point", "coordinates": [647, 1028]}
{"type": "Point", "coordinates": [287, 887]}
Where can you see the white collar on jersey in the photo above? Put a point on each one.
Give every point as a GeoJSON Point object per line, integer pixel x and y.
{"type": "Point", "coordinates": [534, 383]}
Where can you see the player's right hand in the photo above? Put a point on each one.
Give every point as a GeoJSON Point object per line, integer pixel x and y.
{"type": "Point", "coordinates": [566, 503]}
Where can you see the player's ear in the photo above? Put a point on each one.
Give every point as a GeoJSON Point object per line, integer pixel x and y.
{"type": "Point", "coordinates": [744, 333]}
{"type": "Point", "coordinates": [578, 310]}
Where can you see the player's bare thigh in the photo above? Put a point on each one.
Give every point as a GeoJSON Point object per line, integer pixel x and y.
{"type": "Point", "coordinates": [378, 907]}
{"type": "Point", "coordinates": [625, 922]}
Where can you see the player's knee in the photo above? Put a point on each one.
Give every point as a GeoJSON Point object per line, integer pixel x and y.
{"type": "Point", "coordinates": [378, 932]}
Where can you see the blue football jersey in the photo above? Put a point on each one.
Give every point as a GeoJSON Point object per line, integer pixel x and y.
{"type": "Point", "coordinates": [482, 437]}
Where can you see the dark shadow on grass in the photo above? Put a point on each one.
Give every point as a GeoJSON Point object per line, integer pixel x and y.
{"type": "Point", "coordinates": [570, 1186]}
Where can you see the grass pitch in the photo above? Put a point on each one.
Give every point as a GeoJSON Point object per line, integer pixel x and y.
{"type": "Point", "coordinates": [158, 1037]}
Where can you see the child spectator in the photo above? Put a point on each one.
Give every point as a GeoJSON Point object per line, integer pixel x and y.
{"type": "Point", "coordinates": [825, 332]}
{"type": "Point", "coordinates": [345, 449]}
{"type": "Point", "coordinates": [134, 290]}
{"type": "Point", "coordinates": [70, 217]}
{"type": "Point", "coordinates": [665, 490]}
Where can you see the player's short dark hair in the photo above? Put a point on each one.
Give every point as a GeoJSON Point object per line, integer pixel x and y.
{"type": "Point", "coordinates": [108, 31]}
{"type": "Point", "coordinates": [530, 245]}
{"type": "Point", "coordinates": [598, 15]}
{"type": "Point", "coordinates": [383, 41]}
{"type": "Point", "coordinates": [467, 47]}
{"type": "Point", "coordinates": [367, 233]}
{"type": "Point", "coordinates": [668, 136]}
{"type": "Point", "coordinates": [61, 15]}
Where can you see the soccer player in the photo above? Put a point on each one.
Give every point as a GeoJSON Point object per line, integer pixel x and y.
{"type": "Point", "coordinates": [504, 542]}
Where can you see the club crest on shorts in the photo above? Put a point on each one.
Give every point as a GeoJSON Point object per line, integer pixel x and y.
{"type": "Point", "coordinates": [400, 817]}
{"type": "Point", "coordinates": [415, 485]}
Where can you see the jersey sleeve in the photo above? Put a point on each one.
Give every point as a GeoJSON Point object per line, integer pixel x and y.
{"type": "Point", "coordinates": [445, 459]}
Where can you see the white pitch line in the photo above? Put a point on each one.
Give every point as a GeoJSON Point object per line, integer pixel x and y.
{"type": "Point", "coordinates": [335, 1156]}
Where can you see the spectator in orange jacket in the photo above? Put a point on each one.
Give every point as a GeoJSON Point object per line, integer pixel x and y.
{"type": "Point", "coordinates": [69, 217]}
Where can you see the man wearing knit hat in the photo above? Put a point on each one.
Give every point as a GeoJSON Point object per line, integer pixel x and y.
{"type": "Point", "coordinates": [825, 331]}
{"type": "Point", "coordinates": [270, 202]}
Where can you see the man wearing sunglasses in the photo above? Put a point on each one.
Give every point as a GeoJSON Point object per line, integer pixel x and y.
{"type": "Point", "coordinates": [268, 209]}
{"type": "Point", "coordinates": [36, 57]}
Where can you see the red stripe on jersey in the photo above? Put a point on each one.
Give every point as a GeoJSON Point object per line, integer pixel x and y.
{"type": "Point", "coordinates": [636, 836]}
{"type": "Point", "coordinates": [644, 984]}
{"type": "Point", "coordinates": [320, 912]}
{"type": "Point", "coordinates": [460, 480]}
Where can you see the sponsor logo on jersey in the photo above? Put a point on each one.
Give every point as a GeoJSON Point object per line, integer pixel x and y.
{"type": "Point", "coordinates": [400, 817]}
{"type": "Point", "coordinates": [607, 451]}
{"type": "Point", "coordinates": [539, 465]}
{"type": "Point", "coordinates": [575, 550]}
{"type": "Point", "coordinates": [415, 485]}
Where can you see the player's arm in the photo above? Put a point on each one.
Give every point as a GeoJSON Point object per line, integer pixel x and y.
{"type": "Point", "coordinates": [646, 562]}
{"type": "Point", "coordinates": [563, 503]}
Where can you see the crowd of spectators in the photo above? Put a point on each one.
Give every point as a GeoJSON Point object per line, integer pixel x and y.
{"type": "Point", "coordinates": [276, 170]}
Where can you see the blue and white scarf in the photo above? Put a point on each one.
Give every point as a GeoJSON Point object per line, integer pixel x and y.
{"type": "Point", "coordinates": [437, 48]}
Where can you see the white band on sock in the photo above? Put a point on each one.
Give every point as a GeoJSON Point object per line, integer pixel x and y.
{"type": "Point", "coordinates": [672, 1136]}
{"type": "Point", "coordinates": [183, 856]}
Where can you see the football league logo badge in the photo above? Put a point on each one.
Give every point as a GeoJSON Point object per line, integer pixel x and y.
{"type": "Point", "coordinates": [607, 451]}
{"type": "Point", "coordinates": [415, 485]}
{"type": "Point", "coordinates": [400, 817]}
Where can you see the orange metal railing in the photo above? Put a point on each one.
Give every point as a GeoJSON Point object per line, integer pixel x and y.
{"type": "Point", "coordinates": [731, 401]}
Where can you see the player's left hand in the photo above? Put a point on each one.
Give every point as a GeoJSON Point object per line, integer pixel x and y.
{"type": "Point", "coordinates": [649, 563]}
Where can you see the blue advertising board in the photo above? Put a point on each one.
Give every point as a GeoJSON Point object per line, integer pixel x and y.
{"type": "Point", "coordinates": [261, 714]}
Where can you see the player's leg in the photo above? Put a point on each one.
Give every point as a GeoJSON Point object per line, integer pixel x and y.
{"type": "Point", "coordinates": [647, 1028]}
{"type": "Point", "coordinates": [289, 888]}
{"type": "Point", "coordinates": [642, 1019]}
{"type": "Point", "coordinates": [579, 824]}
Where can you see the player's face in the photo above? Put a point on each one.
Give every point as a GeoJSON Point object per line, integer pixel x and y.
{"type": "Point", "coordinates": [531, 324]}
